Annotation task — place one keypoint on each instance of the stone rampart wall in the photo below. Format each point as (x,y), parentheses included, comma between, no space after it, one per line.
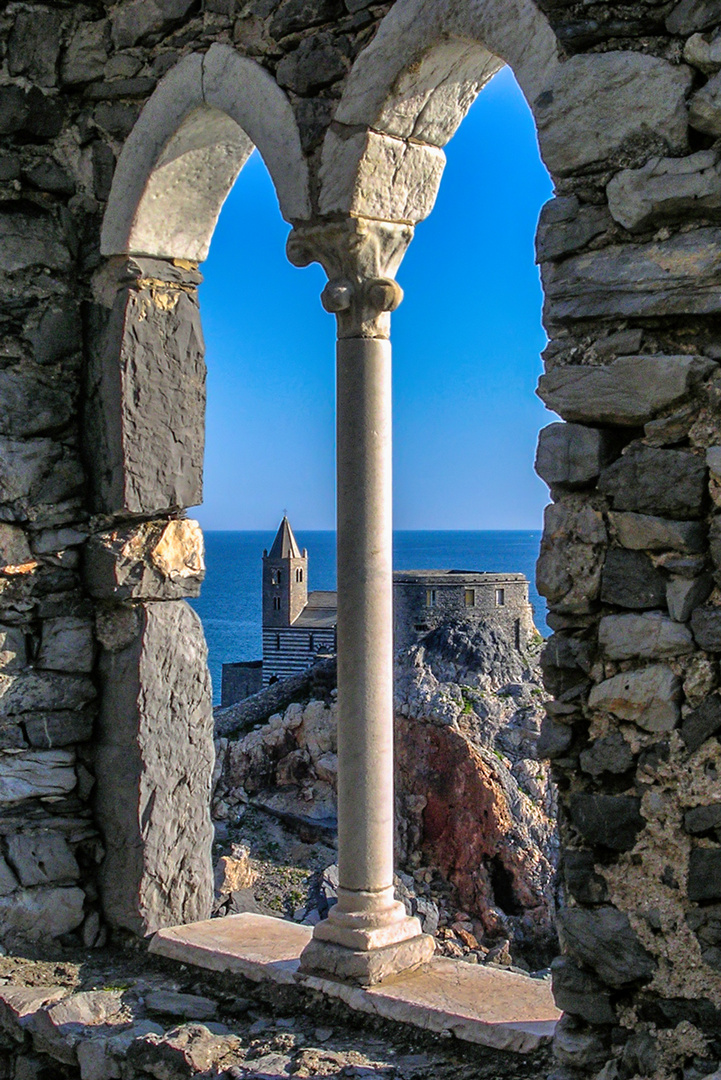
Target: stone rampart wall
(414,616)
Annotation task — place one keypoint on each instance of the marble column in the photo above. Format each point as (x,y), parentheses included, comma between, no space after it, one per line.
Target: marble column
(367,935)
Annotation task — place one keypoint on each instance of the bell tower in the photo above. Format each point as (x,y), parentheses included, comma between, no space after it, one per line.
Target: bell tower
(285,579)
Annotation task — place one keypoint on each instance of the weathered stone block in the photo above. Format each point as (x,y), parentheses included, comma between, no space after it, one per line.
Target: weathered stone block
(704,874)
(613,821)
(148,403)
(54,541)
(578,1046)
(666,189)
(691,15)
(685,594)
(568,572)
(565,226)
(14,546)
(41,858)
(57,334)
(676,276)
(35,774)
(580,993)
(31,241)
(702,723)
(649,697)
(628,391)
(652,636)
(33,402)
(647,480)
(34,690)
(591,107)
(153,769)
(36,475)
(8,881)
(31,111)
(294,15)
(87,51)
(158,560)
(19,1003)
(603,939)
(318,61)
(641,532)
(377,176)
(554,740)
(702,54)
(704,112)
(187,1006)
(565,663)
(702,819)
(671,430)
(67,645)
(48,729)
(190,1049)
(610,754)
(11,735)
(571,455)
(581,879)
(34,914)
(58,1029)
(133,21)
(34,45)
(706,626)
(629,579)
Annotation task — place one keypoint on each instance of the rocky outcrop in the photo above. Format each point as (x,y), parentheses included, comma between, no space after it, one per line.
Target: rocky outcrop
(474,805)
(474,799)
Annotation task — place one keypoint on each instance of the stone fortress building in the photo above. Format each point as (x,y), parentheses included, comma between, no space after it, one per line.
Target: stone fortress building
(424,599)
(123,126)
(300,627)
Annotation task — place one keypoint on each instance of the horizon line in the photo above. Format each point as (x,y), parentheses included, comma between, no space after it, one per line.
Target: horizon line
(301,528)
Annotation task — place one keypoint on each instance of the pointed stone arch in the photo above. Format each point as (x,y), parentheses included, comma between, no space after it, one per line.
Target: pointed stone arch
(186,149)
(411,87)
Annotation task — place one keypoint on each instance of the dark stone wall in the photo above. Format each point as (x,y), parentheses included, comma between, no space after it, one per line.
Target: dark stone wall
(631,559)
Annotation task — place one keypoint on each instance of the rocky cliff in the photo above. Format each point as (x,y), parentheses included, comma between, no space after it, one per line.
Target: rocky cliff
(473,799)
(475,812)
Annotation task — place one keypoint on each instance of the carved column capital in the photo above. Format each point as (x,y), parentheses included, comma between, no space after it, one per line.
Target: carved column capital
(361,258)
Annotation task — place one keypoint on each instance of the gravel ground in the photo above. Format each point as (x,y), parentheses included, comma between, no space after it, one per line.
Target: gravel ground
(298,1035)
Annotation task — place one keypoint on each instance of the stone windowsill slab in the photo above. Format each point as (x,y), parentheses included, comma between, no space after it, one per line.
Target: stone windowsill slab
(483,1005)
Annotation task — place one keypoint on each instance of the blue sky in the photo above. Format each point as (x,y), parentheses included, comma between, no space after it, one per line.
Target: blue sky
(466,344)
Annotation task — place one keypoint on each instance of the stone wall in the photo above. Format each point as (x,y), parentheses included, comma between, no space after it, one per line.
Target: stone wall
(414,615)
(101,433)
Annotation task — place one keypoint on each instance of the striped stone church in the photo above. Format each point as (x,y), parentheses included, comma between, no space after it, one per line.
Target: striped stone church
(297,625)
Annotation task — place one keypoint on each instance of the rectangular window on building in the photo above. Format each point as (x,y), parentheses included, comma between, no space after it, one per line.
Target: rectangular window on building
(500,597)
(276,603)
(470,597)
(430,597)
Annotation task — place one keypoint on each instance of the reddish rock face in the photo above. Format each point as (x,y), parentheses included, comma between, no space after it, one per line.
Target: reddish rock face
(495,857)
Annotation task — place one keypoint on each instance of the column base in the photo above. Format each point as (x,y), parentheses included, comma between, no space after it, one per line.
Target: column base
(365,967)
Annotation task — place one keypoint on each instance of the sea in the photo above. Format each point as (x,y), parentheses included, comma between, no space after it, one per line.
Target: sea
(230,601)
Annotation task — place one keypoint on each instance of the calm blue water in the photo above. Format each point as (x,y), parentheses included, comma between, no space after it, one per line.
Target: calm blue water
(230,602)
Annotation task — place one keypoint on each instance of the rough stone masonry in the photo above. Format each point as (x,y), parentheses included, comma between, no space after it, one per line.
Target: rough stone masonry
(134,118)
